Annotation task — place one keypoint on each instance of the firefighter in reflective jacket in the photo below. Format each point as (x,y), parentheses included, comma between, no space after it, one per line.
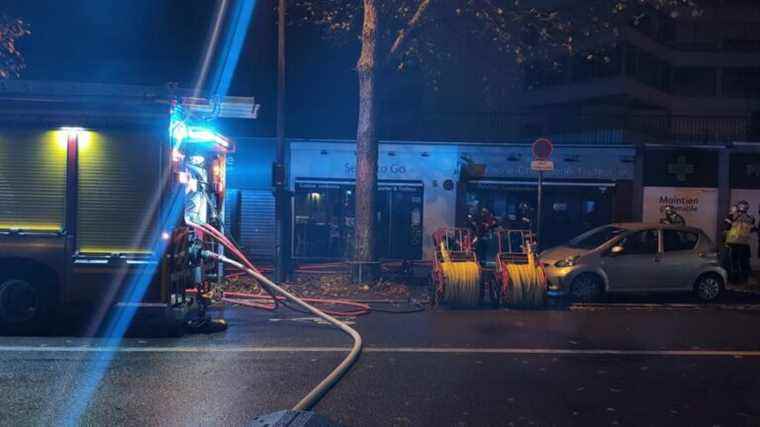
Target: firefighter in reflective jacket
(737,241)
(672,217)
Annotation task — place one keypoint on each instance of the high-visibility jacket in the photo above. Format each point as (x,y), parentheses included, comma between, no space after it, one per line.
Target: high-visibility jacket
(741,230)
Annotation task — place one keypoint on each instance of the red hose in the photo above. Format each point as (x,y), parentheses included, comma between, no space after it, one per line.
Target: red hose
(258,302)
(226,243)
(361,309)
(270,301)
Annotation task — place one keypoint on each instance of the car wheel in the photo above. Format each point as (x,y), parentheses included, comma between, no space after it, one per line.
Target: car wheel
(24,307)
(708,287)
(586,287)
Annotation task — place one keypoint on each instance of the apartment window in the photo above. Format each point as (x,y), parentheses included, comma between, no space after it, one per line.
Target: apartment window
(741,82)
(648,69)
(741,36)
(694,81)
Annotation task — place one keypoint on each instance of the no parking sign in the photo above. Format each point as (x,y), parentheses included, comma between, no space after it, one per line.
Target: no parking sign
(542,150)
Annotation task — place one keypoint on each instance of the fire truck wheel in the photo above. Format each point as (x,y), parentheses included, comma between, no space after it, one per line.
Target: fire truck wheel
(25,305)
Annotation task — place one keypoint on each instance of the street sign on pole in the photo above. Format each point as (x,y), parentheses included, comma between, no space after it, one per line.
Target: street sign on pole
(542,150)
(542,165)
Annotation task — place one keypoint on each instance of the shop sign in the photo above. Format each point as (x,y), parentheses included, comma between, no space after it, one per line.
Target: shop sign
(745,171)
(698,206)
(681,169)
(694,168)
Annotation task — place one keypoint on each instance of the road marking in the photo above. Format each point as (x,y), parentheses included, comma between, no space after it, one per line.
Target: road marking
(662,307)
(434,350)
(317,320)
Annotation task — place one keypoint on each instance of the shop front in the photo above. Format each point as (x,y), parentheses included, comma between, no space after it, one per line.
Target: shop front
(588,188)
(687,180)
(415,196)
(569,209)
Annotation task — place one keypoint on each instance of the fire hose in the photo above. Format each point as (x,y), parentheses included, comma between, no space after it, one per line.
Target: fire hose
(315,394)
(270,301)
(526,286)
(462,286)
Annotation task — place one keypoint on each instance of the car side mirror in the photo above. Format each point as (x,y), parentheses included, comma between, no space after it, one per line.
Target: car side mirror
(616,250)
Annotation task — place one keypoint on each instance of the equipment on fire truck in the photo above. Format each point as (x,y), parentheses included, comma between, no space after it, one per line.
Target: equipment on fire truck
(456,271)
(523,280)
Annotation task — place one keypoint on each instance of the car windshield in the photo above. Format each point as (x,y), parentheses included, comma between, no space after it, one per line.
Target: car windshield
(595,238)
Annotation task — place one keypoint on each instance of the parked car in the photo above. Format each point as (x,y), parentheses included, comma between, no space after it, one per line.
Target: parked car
(634,258)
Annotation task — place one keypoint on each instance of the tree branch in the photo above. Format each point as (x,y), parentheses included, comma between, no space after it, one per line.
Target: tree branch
(402,39)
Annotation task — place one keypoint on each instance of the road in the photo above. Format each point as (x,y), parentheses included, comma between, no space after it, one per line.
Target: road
(605,364)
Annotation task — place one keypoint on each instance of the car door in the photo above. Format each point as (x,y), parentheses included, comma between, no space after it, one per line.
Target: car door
(678,260)
(637,266)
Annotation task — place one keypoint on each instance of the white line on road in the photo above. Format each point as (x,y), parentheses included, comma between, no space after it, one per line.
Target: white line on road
(662,307)
(436,350)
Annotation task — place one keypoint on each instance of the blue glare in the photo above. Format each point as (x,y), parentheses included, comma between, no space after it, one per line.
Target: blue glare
(116,325)
(233,44)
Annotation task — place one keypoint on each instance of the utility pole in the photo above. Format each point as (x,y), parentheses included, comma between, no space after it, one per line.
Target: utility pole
(542,151)
(279,169)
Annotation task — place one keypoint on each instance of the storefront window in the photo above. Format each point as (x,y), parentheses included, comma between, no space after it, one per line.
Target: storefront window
(324,221)
(568,210)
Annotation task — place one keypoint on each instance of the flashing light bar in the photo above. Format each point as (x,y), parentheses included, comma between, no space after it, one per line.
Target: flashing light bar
(227,107)
(181,133)
(196,134)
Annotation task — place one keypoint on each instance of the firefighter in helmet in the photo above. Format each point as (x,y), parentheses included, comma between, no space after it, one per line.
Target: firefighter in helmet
(737,241)
(482,227)
(520,220)
(671,216)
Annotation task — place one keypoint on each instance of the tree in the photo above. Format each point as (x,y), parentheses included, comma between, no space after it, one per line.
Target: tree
(11,61)
(394,34)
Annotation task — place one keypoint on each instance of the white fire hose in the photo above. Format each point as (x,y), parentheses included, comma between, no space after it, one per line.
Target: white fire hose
(317,392)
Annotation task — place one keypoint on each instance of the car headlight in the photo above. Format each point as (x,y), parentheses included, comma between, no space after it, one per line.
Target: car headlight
(567,262)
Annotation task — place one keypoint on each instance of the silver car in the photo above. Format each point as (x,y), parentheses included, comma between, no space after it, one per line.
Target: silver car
(633,258)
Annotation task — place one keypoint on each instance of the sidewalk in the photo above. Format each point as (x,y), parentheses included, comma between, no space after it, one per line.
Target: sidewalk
(751,287)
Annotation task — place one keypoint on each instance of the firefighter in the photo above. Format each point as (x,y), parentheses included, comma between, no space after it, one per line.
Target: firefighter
(725,252)
(522,219)
(672,217)
(737,241)
(482,226)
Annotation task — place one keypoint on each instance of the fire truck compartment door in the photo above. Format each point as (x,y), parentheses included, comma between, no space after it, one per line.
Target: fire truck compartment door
(119,197)
(32,180)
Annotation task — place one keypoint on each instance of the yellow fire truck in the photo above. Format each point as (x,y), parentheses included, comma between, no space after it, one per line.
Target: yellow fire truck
(97,187)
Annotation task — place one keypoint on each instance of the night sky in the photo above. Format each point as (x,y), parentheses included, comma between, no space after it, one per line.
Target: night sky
(153,42)
(150,42)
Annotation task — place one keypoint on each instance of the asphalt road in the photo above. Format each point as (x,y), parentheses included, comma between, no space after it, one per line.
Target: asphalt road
(626,363)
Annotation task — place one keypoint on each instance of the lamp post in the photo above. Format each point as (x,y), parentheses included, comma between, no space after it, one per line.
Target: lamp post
(279,169)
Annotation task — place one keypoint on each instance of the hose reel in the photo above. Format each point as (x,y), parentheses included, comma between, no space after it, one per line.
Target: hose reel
(523,280)
(456,272)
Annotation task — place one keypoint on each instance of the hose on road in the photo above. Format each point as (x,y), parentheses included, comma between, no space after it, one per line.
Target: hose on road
(317,392)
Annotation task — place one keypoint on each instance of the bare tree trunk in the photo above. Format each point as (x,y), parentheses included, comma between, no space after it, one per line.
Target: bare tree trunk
(366,150)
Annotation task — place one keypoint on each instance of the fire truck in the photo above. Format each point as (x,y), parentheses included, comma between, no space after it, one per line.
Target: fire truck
(99,187)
